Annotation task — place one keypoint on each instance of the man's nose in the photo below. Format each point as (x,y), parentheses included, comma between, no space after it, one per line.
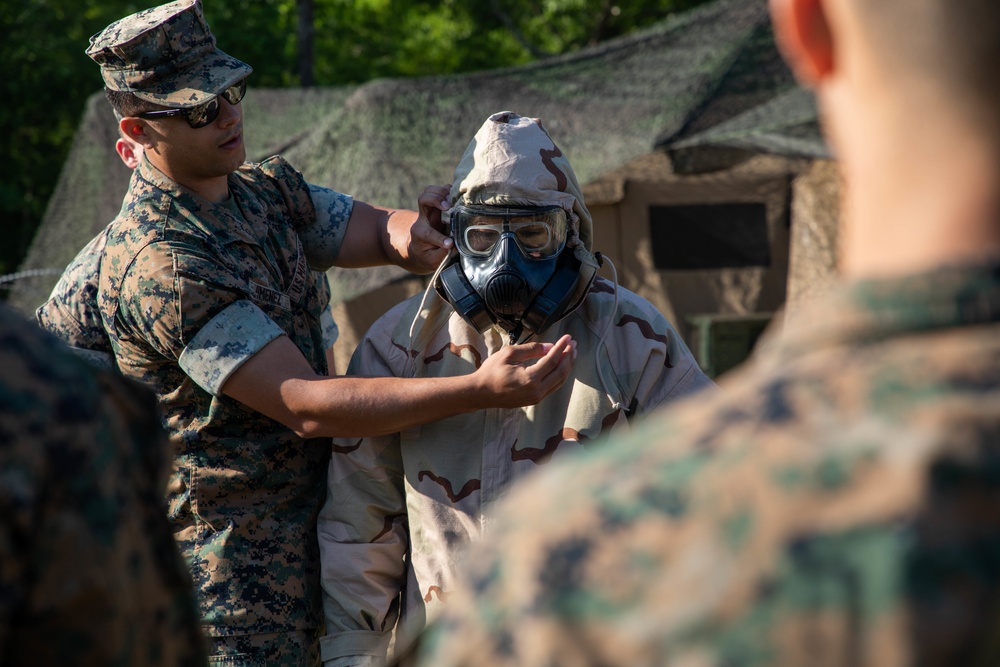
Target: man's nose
(229,113)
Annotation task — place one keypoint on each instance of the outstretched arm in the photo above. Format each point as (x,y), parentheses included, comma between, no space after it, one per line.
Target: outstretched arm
(410,239)
(279,382)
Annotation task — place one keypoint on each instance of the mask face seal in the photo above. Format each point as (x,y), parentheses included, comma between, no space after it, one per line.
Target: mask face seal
(511,270)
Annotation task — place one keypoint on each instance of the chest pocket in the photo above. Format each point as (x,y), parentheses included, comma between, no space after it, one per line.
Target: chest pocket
(273,275)
(206,286)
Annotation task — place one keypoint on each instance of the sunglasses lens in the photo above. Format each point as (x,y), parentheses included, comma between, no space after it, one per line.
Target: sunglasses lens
(206,113)
(234,93)
(203,114)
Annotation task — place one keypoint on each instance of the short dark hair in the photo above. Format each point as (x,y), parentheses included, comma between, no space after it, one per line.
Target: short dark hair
(126,103)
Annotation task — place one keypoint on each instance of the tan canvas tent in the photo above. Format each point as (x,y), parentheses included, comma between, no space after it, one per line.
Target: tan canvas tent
(692,126)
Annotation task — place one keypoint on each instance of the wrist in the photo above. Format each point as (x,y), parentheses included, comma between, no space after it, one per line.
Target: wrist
(472,393)
(385,238)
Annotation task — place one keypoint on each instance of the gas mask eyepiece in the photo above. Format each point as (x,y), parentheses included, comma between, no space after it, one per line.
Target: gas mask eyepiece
(540,232)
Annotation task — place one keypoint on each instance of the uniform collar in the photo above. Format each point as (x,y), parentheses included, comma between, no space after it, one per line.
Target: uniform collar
(215,220)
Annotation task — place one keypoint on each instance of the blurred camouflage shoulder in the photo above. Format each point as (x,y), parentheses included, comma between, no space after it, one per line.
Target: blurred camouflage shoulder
(86,549)
(837,501)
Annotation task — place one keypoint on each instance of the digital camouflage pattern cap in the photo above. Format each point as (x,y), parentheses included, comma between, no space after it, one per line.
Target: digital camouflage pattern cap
(165,55)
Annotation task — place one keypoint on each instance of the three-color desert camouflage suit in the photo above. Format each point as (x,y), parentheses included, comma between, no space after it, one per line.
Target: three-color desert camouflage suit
(837,502)
(89,572)
(188,291)
(401,508)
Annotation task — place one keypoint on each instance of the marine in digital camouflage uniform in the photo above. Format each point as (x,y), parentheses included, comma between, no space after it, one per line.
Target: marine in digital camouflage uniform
(89,571)
(181,315)
(209,293)
(188,291)
(837,502)
(401,508)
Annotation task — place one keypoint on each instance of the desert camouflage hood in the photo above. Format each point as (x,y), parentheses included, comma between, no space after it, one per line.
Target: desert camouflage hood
(513,161)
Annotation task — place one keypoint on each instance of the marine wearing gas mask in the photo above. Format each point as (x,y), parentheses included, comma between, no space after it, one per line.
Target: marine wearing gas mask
(523,260)
(401,508)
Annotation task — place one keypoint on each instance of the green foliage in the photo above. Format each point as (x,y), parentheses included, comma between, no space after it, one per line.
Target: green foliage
(47,80)
(354,41)
(259,32)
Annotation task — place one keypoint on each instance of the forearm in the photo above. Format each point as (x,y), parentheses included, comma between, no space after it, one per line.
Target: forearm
(368,240)
(278,382)
(354,407)
(409,239)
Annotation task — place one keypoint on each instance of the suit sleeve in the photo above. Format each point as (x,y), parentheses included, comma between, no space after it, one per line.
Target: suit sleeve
(362,529)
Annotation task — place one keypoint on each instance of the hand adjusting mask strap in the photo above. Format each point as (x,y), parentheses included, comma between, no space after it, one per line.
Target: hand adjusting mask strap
(510,269)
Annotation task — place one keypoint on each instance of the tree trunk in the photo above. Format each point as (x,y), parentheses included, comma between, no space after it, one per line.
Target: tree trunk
(305,40)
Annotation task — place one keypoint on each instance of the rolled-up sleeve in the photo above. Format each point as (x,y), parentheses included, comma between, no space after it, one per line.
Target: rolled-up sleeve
(225,343)
(322,239)
(189,308)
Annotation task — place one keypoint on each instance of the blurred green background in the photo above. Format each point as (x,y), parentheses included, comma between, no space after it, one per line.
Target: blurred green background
(288,43)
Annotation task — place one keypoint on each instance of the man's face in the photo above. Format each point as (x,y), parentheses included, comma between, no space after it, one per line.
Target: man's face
(192,156)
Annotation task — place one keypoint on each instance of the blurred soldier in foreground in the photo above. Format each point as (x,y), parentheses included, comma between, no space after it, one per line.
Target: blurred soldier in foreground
(89,570)
(838,502)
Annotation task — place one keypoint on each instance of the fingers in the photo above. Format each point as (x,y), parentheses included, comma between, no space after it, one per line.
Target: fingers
(431,202)
(435,196)
(548,352)
(508,378)
(557,362)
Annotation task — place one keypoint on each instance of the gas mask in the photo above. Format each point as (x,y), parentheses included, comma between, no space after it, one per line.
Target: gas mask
(510,269)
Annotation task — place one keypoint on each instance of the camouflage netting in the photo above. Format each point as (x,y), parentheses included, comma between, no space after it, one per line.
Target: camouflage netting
(705,82)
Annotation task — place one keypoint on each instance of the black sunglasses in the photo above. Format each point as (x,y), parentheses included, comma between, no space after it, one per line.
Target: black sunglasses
(206,113)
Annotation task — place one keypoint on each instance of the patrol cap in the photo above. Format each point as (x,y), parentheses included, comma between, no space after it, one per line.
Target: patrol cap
(165,55)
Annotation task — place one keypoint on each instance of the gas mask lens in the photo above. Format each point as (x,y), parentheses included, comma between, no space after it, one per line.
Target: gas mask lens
(540,232)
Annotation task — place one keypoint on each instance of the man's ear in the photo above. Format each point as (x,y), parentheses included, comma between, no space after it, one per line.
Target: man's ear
(129,151)
(135,129)
(802,30)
